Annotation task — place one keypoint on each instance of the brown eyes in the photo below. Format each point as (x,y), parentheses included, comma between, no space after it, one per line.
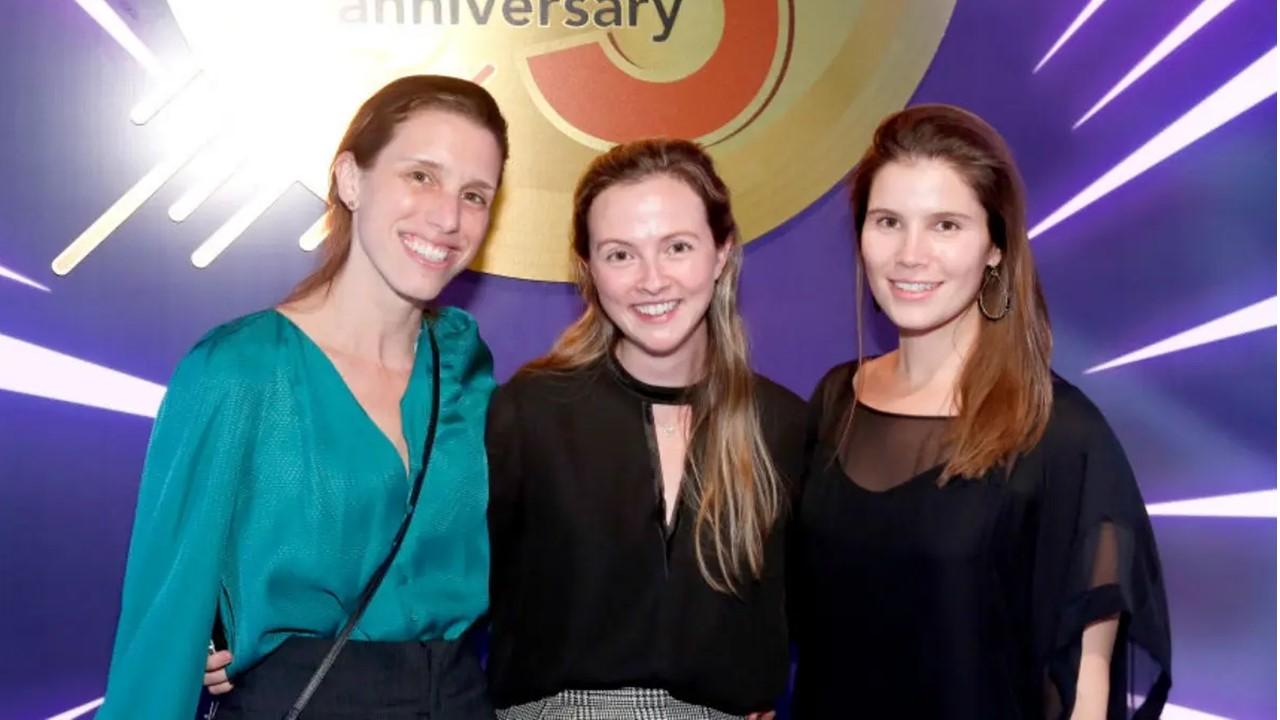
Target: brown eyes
(471,197)
(892,223)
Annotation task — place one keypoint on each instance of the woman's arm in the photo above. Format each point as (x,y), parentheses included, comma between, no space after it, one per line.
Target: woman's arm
(195,458)
(1093,684)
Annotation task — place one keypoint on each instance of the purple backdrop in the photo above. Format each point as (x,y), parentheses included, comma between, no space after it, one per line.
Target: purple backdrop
(1188,241)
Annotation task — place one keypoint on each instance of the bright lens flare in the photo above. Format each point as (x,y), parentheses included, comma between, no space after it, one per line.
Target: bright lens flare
(284,84)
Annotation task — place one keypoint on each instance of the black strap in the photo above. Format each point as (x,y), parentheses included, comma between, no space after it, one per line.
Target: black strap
(372,587)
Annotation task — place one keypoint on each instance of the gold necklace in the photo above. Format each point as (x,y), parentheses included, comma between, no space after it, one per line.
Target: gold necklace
(669,429)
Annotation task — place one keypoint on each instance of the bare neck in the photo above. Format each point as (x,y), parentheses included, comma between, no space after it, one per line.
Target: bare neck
(927,365)
(681,368)
(362,319)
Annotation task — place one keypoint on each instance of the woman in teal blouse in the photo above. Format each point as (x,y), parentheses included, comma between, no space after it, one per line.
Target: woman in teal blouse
(282,461)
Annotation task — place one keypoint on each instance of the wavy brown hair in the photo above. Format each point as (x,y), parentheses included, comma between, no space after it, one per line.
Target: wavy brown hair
(735,485)
(1005,391)
(370,131)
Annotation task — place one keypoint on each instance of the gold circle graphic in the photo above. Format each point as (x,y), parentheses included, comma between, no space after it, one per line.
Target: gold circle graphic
(785,93)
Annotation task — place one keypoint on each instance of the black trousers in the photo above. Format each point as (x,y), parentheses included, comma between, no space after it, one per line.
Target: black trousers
(439,680)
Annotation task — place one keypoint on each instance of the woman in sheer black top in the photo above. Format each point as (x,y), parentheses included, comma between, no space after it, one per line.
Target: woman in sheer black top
(971,542)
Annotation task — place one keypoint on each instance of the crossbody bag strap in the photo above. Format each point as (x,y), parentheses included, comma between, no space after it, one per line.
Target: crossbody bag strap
(376,579)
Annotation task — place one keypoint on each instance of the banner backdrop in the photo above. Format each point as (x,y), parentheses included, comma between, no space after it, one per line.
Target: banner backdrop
(164,163)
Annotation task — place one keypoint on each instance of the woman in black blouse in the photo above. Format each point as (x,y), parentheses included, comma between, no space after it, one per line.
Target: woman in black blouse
(640,472)
(971,542)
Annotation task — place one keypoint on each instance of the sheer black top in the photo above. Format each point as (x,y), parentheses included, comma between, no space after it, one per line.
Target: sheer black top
(969,599)
(590,588)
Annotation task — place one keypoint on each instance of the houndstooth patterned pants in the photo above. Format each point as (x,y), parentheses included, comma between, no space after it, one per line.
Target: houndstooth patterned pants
(622,704)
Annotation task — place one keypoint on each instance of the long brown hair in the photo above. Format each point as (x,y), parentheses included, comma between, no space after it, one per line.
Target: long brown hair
(1005,391)
(736,487)
(370,131)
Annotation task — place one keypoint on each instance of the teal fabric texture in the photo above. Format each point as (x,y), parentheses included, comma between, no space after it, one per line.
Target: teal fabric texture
(269,497)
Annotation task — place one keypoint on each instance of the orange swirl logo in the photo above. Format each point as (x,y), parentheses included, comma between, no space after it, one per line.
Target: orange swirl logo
(784,93)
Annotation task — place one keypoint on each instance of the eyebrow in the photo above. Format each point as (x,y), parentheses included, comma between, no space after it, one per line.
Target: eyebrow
(938,214)
(664,238)
(951,214)
(474,183)
(608,241)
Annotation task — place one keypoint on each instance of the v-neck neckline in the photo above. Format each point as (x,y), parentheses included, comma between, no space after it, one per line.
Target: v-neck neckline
(405,462)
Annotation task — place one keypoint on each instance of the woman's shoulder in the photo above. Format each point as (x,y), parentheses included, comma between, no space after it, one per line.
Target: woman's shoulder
(464,356)
(835,387)
(454,323)
(1074,414)
(839,376)
(239,350)
(775,398)
(783,417)
(253,328)
(1076,424)
(564,385)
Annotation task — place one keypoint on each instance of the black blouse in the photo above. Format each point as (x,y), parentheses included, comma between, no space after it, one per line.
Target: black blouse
(968,600)
(590,589)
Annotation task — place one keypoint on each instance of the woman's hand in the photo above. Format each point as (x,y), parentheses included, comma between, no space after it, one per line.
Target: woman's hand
(215,672)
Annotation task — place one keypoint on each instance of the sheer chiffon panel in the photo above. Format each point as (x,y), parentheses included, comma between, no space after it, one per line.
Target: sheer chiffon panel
(1115,574)
(883,450)
(1075,540)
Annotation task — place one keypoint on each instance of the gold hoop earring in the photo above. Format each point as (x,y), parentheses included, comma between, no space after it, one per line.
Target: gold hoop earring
(993,276)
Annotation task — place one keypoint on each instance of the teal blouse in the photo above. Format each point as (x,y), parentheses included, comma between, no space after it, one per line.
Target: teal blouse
(269,495)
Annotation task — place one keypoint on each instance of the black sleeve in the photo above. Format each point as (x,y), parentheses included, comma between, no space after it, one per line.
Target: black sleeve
(1096,559)
(782,419)
(502,442)
(822,403)
(828,403)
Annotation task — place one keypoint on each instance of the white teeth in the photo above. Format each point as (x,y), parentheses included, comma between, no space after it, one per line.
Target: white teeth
(656,309)
(915,286)
(427,251)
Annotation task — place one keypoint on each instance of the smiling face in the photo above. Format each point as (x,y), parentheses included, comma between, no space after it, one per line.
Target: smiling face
(925,245)
(654,263)
(422,209)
